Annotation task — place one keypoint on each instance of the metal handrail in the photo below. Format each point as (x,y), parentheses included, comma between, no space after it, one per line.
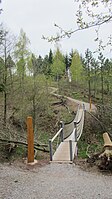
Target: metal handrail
(76,135)
(60,132)
(56,134)
(78,126)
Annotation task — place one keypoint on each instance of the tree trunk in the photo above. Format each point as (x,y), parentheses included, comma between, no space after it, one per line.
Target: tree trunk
(95,79)
(5,85)
(102,84)
(89,82)
(106,156)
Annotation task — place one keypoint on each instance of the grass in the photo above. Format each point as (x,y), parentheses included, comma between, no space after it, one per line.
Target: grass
(79,96)
(82,147)
(92,147)
(43,137)
(20,151)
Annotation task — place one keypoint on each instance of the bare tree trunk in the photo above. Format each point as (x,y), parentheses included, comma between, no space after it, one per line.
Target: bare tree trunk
(89,82)
(11,78)
(5,84)
(102,84)
(95,79)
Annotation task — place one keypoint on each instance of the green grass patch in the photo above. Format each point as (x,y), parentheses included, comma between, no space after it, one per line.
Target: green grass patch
(79,96)
(43,137)
(82,147)
(92,148)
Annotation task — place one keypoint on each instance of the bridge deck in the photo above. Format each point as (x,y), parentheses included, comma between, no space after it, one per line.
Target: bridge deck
(63,151)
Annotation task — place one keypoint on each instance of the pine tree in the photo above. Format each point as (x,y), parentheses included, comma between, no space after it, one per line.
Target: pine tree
(50,57)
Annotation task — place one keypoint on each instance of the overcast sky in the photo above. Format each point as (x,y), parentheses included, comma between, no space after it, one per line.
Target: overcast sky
(37,18)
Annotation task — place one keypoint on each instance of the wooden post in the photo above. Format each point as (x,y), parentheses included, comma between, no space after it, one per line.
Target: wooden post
(30,140)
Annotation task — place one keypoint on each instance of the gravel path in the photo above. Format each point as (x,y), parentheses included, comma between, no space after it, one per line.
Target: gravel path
(87,105)
(53,181)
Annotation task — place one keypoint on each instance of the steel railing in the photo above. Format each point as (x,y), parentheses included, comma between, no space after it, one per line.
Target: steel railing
(77,129)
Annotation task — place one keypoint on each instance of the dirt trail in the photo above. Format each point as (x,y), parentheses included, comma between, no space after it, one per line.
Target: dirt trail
(86,105)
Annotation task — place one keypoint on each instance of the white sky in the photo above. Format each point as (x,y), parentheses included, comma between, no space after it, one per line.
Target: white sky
(37,18)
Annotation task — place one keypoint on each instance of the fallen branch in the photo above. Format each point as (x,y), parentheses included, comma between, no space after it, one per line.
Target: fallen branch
(87,151)
(23,143)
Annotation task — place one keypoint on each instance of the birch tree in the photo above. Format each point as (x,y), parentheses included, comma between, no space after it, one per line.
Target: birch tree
(21,54)
(76,67)
(58,66)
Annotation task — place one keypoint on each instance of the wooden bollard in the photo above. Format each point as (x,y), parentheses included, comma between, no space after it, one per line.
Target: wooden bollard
(30,140)
(107,141)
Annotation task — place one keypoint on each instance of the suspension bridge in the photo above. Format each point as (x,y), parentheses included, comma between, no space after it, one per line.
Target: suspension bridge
(66,138)
(68,134)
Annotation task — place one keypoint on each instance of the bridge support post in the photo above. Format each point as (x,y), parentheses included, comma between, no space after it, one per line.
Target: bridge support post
(84,107)
(61,134)
(75,133)
(70,144)
(50,147)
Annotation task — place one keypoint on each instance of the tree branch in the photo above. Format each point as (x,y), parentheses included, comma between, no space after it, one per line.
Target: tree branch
(68,33)
(24,143)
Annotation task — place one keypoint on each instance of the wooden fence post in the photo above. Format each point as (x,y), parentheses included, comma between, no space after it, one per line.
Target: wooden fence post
(30,140)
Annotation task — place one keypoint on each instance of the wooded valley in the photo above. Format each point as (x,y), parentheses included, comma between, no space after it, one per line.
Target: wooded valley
(27,79)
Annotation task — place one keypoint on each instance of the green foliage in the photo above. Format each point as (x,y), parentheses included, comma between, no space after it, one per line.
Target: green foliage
(50,57)
(108,75)
(21,70)
(21,53)
(58,66)
(32,65)
(67,64)
(10,62)
(70,57)
(82,147)
(21,47)
(89,12)
(28,90)
(2,88)
(20,152)
(43,137)
(47,66)
(76,67)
